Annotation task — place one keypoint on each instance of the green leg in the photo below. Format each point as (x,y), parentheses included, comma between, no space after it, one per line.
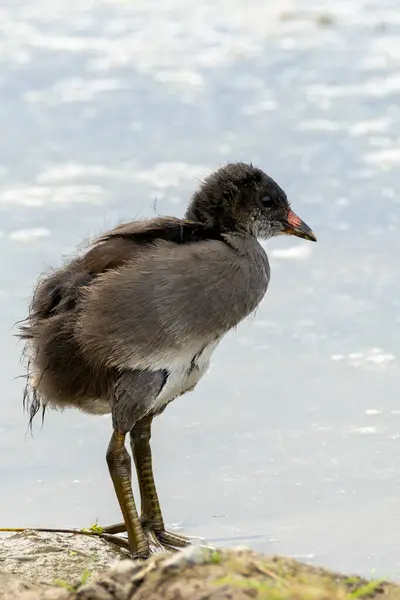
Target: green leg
(151,517)
(119,464)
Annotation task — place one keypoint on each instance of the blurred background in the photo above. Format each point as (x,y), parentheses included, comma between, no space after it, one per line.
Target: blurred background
(116,109)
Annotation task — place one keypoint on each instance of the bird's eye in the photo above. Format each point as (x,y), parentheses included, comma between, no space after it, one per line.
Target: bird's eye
(267,201)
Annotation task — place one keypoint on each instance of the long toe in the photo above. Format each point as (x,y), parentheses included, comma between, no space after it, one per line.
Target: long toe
(117,528)
(123,542)
(156,545)
(173,539)
(180,541)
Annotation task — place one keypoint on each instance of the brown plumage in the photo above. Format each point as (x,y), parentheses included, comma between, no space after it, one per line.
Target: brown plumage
(131,324)
(59,371)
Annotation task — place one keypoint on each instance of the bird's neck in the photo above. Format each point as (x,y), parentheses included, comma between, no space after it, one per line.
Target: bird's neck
(213,215)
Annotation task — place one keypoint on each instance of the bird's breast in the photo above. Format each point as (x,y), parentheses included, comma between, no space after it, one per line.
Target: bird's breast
(184,370)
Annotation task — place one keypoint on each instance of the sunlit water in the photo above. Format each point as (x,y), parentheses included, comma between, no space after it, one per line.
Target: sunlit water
(110,110)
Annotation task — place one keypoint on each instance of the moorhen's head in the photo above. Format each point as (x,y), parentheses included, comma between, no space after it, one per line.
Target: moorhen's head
(240,197)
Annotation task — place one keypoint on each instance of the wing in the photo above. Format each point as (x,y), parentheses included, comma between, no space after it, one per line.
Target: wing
(59,291)
(171,297)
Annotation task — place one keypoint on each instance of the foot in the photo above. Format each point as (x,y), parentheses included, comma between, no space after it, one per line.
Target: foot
(158,540)
(161,541)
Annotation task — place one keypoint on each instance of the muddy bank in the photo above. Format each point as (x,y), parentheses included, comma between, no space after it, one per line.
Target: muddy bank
(37,566)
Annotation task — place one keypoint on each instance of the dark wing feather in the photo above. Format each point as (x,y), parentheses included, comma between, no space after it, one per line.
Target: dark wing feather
(169,229)
(60,290)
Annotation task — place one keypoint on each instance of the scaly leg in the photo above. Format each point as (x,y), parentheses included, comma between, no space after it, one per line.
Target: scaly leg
(151,517)
(119,464)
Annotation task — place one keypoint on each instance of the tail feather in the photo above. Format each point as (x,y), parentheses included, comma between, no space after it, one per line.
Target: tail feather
(56,293)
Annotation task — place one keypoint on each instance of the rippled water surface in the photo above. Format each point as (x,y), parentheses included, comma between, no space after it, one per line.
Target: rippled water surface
(110,110)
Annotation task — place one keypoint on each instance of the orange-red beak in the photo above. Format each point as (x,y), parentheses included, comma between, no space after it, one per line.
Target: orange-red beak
(295,226)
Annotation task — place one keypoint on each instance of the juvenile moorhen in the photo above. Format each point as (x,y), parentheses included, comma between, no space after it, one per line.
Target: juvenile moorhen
(131,324)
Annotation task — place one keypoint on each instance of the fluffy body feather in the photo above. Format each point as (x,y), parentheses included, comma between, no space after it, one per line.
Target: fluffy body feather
(139,299)
(140,313)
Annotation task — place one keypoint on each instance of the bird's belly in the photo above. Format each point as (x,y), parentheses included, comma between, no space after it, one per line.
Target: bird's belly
(184,372)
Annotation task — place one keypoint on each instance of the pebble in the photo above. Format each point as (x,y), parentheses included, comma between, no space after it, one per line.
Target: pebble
(93,591)
(192,555)
(123,570)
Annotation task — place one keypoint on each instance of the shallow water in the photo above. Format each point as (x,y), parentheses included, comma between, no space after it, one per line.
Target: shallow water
(291,444)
